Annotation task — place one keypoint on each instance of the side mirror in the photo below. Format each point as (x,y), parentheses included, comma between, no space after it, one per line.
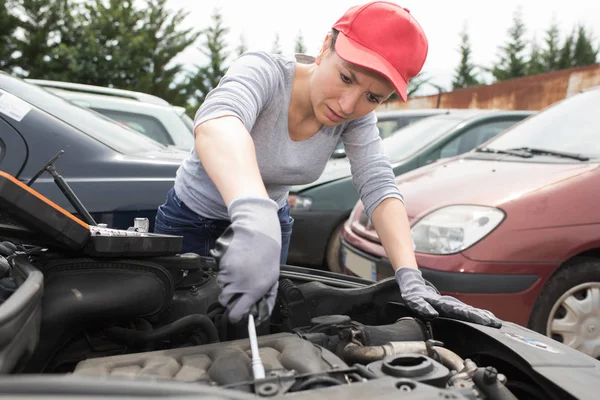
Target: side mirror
(339,153)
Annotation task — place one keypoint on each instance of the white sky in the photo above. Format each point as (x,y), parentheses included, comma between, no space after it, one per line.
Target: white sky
(488,22)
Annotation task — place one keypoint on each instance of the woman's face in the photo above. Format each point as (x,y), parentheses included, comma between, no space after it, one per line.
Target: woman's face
(340,91)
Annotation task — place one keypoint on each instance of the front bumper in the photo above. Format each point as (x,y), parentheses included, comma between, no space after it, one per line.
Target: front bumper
(311,234)
(509,296)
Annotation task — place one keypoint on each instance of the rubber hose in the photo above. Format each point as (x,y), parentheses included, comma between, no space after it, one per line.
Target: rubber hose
(5,250)
(133,337)
(487,381)
(319,381)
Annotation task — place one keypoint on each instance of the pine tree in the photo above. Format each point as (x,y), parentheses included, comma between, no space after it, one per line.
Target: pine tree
(551,53)
(535,64)
(8,25)
(512,62)
(276,45)
(41,23)
(464,76)
(300,48)
(583,50)
(565,58)
(242,47)
(207,77)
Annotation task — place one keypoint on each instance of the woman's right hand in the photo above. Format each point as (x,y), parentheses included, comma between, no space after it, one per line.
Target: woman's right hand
(248,255)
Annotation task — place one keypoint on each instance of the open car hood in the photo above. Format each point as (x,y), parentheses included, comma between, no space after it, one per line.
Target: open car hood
(88,311)
(306,351)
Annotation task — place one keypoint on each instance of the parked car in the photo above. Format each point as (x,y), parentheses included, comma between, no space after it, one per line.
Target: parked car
(320,208)
(148,114)
(513,226)
(117,173)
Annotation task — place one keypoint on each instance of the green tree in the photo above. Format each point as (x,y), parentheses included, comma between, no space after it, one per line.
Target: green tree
(276,45)
(242,47)
(166,41)
(8,24)
(207,77)
(464,75)
(120,45)
(41,23)
(551,53)
(583,50)
(512,62)
(415,85)
(300,47)
(565,58)
(535,64)
(108,46)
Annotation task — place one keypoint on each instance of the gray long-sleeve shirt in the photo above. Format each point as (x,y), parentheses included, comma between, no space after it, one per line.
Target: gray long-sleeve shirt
(257,89)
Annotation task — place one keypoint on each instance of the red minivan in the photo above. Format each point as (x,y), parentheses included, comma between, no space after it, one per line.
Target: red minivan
(512,226)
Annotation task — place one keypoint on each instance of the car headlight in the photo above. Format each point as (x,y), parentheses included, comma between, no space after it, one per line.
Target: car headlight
(454,228)
(298,202)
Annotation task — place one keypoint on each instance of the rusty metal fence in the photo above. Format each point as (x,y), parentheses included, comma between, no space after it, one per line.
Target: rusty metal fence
(527,93)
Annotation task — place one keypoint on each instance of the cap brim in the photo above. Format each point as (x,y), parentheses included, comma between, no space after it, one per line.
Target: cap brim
(355,53)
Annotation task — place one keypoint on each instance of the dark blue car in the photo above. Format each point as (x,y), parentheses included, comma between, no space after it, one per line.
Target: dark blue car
(116,172)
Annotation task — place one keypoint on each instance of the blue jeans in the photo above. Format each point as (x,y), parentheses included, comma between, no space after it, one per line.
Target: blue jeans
(200,233)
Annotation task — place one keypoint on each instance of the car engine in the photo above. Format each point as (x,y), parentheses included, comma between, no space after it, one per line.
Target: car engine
(159,319)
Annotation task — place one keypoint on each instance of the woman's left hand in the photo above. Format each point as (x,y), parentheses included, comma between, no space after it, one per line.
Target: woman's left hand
(425,301)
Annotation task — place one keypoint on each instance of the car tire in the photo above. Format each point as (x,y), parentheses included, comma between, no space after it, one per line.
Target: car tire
(573,282)
(334,248)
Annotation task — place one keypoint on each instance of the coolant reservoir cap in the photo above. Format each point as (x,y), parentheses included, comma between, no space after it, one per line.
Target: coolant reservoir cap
(407,366)
(331,320)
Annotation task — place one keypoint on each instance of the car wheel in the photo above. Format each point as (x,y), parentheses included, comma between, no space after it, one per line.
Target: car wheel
(333,250)
(568,308)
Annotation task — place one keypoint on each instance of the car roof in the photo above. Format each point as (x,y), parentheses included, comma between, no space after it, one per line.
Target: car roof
(91,89)
(411,112)
(459,112)
(111,102)
(478,113)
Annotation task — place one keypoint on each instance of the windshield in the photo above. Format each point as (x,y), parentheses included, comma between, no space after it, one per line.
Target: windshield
(101,128)
(571,126)
(410,139)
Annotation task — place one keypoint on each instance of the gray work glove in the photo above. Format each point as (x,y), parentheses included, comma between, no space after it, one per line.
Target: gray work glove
(426,302)
(248,255)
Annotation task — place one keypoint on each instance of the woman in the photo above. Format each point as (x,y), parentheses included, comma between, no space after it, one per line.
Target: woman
(274,122)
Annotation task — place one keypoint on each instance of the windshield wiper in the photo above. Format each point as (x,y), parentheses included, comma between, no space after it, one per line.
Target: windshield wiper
(564,154)
(511,152)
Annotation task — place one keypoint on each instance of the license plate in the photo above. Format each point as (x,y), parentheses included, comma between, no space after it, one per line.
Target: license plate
(359,265)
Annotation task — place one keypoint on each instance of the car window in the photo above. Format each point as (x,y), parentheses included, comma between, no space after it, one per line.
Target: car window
(89,122)
(572,126)
(388,126)
(412,138)
(13,151)
(473,137)
(149,126)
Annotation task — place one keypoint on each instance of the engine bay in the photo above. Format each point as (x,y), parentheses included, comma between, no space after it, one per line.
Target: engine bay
(158,319)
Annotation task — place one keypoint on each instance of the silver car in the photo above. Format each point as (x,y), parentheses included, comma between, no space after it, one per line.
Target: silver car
(145,113)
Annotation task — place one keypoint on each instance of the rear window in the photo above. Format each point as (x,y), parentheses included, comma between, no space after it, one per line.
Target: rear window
(101,128)
(149,126)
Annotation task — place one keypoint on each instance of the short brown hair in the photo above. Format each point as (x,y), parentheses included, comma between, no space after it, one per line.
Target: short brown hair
(334,35)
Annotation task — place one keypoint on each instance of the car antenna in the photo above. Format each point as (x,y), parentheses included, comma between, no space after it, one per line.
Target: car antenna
(64,187)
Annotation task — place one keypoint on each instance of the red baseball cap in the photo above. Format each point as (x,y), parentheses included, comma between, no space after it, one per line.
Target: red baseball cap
(384,37)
